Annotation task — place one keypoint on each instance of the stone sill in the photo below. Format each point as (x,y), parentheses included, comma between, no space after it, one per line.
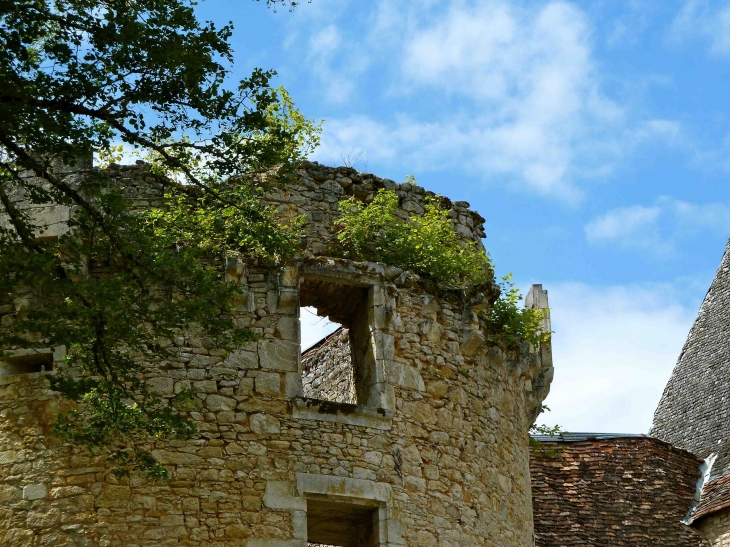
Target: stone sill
(343,413)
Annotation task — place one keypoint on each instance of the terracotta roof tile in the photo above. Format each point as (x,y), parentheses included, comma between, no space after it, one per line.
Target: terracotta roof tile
(613,491)
(715,497)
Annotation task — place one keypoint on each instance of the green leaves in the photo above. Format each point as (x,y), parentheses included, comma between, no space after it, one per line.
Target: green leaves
(508,321)
(427,245)
(537,448)
(87,76)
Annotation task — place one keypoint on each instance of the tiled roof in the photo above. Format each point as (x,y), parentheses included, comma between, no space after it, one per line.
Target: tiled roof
(694,411)
(613,490)
(573,437)
(715,497)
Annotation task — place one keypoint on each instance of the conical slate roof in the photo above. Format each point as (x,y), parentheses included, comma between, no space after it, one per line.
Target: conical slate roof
(694,411)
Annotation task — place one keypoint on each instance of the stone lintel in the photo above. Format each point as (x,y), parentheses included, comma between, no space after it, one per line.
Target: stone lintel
(343,487)
(362,274)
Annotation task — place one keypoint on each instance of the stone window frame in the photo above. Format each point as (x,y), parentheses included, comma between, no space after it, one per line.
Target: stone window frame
(377,411)
(55,357)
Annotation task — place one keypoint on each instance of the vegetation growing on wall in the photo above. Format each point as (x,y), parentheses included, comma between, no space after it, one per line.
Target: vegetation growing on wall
(82,76)
(537,447)
(426,245)
(509,321)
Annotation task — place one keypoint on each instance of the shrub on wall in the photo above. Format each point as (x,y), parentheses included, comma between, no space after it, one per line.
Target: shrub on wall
(429,246)
(426,245)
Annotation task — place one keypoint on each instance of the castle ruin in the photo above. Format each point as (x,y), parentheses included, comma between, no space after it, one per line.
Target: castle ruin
(405,428)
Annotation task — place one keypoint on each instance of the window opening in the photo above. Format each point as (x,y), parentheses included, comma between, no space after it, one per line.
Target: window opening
(341,366)
(336,524)
(25,362)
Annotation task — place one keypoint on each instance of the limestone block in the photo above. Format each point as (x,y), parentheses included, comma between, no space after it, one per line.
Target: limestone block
(167,521)
(19,538)
(288,302)
(182,385)
(438,389)
(242,359)
(405,376)
(211,452)
(299,524)
(289,276)
(281,354)
(287,328)
(205,386)
(191,505)
(35,492)
(177,458)
(267,383)
(272,299)
(283,495)
(328,485)
(237,531)
(215,403)
(382,395)
(161,386)
(8,456)
(292,385)
(263,424)
(113,497)
(384,346)
(473,341)
(43,519)
(9,494)
(223,373)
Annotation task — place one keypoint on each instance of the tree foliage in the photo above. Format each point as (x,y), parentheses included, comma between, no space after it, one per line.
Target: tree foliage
(427,245)
(88,76)
(538,448)
(509,321)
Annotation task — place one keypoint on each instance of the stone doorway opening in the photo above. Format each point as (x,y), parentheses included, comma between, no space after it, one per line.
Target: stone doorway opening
(336,524)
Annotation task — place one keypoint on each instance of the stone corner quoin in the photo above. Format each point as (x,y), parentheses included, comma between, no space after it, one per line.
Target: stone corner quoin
(427,446)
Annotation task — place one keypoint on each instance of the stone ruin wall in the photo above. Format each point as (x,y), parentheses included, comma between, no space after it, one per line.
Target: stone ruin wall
(327,369)
(435,453)
(716,529)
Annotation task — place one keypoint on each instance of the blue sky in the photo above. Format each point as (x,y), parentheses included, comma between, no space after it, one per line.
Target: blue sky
(593,136)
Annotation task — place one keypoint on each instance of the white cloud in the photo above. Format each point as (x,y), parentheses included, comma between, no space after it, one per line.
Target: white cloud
(659,227)
(614,349)
(521,95)
(705,20)
(711,216)
(634,226)
(339,80)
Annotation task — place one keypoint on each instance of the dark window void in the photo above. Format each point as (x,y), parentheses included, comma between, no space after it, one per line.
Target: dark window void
(25,363)
(341,524)
(341,367)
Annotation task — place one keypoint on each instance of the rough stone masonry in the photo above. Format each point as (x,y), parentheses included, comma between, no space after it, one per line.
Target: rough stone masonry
(431,448)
